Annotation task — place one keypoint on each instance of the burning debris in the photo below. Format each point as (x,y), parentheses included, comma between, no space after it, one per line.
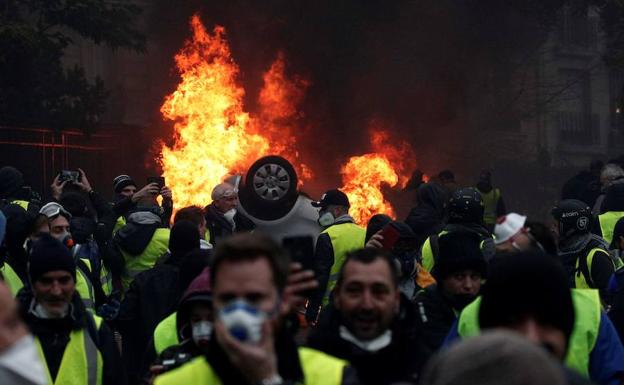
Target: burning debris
(215,136)
(364,176)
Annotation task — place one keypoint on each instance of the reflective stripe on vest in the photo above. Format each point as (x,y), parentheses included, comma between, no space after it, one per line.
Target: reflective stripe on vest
(121,222)
(166,333)
(106,280)
(426,252)
(580,281)
(587,313)
(136,264)
(21,203)
(11,279)
(607,224)
(490,201)
(345,237)
(84,287)
(82,361)
(318,369)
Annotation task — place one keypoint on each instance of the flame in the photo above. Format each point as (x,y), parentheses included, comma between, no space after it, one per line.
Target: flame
(214,136)
(363,176)
(279,116)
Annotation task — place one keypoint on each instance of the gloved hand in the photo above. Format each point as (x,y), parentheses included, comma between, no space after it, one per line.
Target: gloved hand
(109,310)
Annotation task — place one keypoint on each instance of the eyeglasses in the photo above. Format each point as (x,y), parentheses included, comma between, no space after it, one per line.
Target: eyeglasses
(53,209)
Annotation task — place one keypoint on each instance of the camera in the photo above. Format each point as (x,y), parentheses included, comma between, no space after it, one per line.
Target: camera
(69,176)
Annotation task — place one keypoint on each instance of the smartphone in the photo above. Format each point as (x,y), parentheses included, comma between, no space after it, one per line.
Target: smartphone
(301,250)
(159,180)
(69,175)
(390,236)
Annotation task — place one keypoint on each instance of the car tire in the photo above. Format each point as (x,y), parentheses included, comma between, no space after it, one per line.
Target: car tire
(270,189)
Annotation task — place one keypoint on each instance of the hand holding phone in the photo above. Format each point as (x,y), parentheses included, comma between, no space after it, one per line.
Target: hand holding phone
(390,236)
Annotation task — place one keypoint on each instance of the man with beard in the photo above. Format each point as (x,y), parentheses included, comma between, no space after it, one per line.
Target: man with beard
(370,323)
(459,271)
(126,196)
(75,346)
(584,255)
(222,217)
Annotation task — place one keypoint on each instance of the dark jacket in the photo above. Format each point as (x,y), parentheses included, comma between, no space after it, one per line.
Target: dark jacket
(428,217)
(54,337)
(435,317)
(616,292)
(601,268)
(399,361)
(152,296)
(220,228)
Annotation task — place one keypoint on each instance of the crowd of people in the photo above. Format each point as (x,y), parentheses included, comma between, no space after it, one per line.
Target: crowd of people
(133,291)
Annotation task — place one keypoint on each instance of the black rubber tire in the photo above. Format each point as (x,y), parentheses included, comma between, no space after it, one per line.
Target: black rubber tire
(270,188)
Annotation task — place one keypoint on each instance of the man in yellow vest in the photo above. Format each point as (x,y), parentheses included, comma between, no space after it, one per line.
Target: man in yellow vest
(465,209)
(371,323)
(58,221)
(584,255)
(75,346)
(250,343)
(494,206)
(612,210)
(528,293)
(340,235)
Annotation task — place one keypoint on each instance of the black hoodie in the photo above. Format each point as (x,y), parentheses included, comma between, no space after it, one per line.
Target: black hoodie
(428,217)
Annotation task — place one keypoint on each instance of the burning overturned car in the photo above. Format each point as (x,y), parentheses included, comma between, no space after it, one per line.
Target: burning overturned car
(269,196)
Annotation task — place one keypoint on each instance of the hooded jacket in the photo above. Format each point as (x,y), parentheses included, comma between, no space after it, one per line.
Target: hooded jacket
(428,217)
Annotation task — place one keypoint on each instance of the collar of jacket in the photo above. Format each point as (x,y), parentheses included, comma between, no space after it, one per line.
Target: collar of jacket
(76,317)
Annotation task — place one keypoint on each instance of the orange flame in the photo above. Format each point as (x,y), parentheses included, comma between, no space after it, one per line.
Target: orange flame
(363,176)
(279,116)
(214,135)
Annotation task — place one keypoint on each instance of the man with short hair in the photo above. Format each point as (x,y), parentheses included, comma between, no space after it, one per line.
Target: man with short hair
(458,273)
(340,235)
(222,217)
(250,343)
(75,346)
(371,324)
(196,215)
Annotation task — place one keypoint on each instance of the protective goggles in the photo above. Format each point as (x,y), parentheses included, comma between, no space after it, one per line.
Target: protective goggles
(53,209)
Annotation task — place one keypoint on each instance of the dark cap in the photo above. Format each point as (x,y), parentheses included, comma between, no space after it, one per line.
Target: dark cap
(333,197)
(49,254)
(458,250)
(122,181)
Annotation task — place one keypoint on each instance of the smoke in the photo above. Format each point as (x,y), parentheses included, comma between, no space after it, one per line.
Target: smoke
(432,71)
